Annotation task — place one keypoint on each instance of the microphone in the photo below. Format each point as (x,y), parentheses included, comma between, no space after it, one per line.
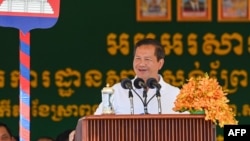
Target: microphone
(152,83)
(139,83)
(126,84)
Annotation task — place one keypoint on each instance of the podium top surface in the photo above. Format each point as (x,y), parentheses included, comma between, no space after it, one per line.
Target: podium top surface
(147,116)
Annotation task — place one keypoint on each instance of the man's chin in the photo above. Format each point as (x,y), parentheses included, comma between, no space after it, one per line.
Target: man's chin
(143,76)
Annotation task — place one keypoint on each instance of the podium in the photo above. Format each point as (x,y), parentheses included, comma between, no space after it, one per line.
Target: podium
(163,127)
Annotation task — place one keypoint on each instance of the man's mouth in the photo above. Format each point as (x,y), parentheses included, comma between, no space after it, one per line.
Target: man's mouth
(142,70)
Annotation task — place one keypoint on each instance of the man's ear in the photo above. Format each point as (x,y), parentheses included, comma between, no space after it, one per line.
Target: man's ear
(161,63)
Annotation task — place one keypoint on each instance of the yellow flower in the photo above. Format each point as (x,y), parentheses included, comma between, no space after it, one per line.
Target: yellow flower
(204,93)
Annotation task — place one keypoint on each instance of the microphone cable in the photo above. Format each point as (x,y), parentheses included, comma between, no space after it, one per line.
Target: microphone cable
(127,84)
(152,83)
(140,83)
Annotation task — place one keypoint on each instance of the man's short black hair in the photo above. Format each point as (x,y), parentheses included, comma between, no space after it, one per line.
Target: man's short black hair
(159,49)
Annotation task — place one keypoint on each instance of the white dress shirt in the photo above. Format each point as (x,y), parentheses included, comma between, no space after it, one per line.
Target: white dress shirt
(121,101)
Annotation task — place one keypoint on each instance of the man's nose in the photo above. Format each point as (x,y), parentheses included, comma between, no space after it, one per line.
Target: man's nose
(142,62)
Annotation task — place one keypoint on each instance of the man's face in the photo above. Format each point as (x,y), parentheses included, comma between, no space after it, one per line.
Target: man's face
(145,62)
(4,135)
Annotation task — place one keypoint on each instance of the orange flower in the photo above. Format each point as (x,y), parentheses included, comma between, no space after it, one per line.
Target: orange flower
(204,93)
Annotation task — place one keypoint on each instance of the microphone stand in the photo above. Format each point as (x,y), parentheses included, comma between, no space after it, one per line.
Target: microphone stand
(145,100)
(158,96)
(130,96)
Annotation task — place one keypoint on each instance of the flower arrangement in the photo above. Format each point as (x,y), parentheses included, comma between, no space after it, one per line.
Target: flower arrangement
(205,94)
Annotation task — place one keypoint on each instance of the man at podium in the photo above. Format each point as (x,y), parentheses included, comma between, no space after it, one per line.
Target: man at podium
(148,60)
(149,93)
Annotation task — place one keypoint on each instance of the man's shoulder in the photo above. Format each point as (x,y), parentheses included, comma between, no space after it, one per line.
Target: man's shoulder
(168,86)
(117,85)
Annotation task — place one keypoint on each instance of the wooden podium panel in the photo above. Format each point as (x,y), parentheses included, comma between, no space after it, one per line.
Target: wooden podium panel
(169,127)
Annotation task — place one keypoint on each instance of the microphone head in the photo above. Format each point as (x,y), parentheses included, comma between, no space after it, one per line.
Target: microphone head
(126,83)
(152,83)
(139,83)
